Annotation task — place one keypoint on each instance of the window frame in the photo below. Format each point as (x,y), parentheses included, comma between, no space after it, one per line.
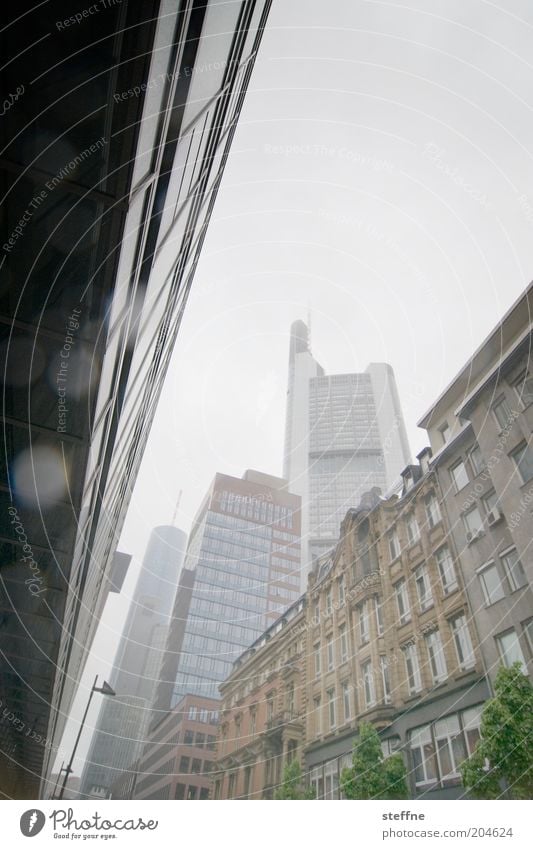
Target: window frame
(490,566)
(401,593)
(452,469)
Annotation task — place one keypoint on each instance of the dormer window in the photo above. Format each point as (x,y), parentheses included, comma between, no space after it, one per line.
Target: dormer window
(445,432)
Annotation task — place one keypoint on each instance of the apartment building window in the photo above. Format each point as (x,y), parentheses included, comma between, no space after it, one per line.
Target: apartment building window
(248,772)
(318,664)
(438,749)
(317,612)
(184,766)
(523,387)
(423,588)
(317,782)
(437,661)
(523,458)
(476,460)
(290,700)
(502,412)
(385,678)
(368,681)
(394,545)
(378,607)
(329,601)
(253,722)
(331,708)
(270,706)
(459,475)
(223,739)
(343,639)
(423,754)
(446,569)
(390,746)
(413,531)
(509,648)
(514,570)
(490,501)
(473,523)
(318,715)
(451,749)
(402,601)
(231,785)
(331,654)
(528,631)
(412,667)
(445,432)
(432,510)
(331,780)
(342,590)
(196,766)
(471,721)
(364,626)
(463,643)
(346,701)
(491,583)
(188,737)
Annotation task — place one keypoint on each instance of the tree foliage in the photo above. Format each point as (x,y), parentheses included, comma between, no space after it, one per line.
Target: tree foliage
(292,786)
(372,776)
(502,762)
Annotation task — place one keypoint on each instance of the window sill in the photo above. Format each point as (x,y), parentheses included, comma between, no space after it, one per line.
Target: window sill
(413,696)
(465,673)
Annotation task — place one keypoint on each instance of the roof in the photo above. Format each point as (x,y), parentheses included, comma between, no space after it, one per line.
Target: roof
(487,356)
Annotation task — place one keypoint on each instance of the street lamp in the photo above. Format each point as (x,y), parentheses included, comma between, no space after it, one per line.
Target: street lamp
(107,691)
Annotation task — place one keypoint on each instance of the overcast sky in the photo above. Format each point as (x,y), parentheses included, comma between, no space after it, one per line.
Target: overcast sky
(380,180)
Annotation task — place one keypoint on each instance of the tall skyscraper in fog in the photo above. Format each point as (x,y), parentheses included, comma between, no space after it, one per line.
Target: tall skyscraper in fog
(241,571)
(124,718)
(344,433)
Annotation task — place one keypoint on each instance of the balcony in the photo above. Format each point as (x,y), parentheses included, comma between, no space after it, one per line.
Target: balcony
(277,724)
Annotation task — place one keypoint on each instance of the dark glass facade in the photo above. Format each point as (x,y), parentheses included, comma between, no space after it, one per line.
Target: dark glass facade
(113,152)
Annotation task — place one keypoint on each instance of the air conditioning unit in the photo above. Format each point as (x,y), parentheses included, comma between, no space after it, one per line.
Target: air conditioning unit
(471,536)
(493,516)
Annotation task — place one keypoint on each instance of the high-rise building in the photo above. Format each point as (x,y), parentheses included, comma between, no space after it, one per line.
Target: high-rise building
(384,634)
(344,433)
(110,169)
(178,757)
(122,723)
(241,572)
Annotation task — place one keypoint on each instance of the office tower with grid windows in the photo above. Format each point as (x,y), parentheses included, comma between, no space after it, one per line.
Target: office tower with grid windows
(344,434)
(123,720)
(243,560)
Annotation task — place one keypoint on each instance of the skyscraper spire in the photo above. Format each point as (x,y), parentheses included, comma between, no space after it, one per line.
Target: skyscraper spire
(177,507)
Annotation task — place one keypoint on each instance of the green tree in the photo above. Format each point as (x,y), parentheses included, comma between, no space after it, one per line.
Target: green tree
(292,785)
(371,775)
(502,762)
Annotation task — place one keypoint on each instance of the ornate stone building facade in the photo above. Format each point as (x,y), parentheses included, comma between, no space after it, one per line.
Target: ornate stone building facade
(384,635)
(262,724)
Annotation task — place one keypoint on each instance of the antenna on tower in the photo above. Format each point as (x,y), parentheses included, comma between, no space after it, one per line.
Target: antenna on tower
(177,507)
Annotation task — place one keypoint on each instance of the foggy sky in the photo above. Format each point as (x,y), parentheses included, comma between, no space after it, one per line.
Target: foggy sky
(381,181)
